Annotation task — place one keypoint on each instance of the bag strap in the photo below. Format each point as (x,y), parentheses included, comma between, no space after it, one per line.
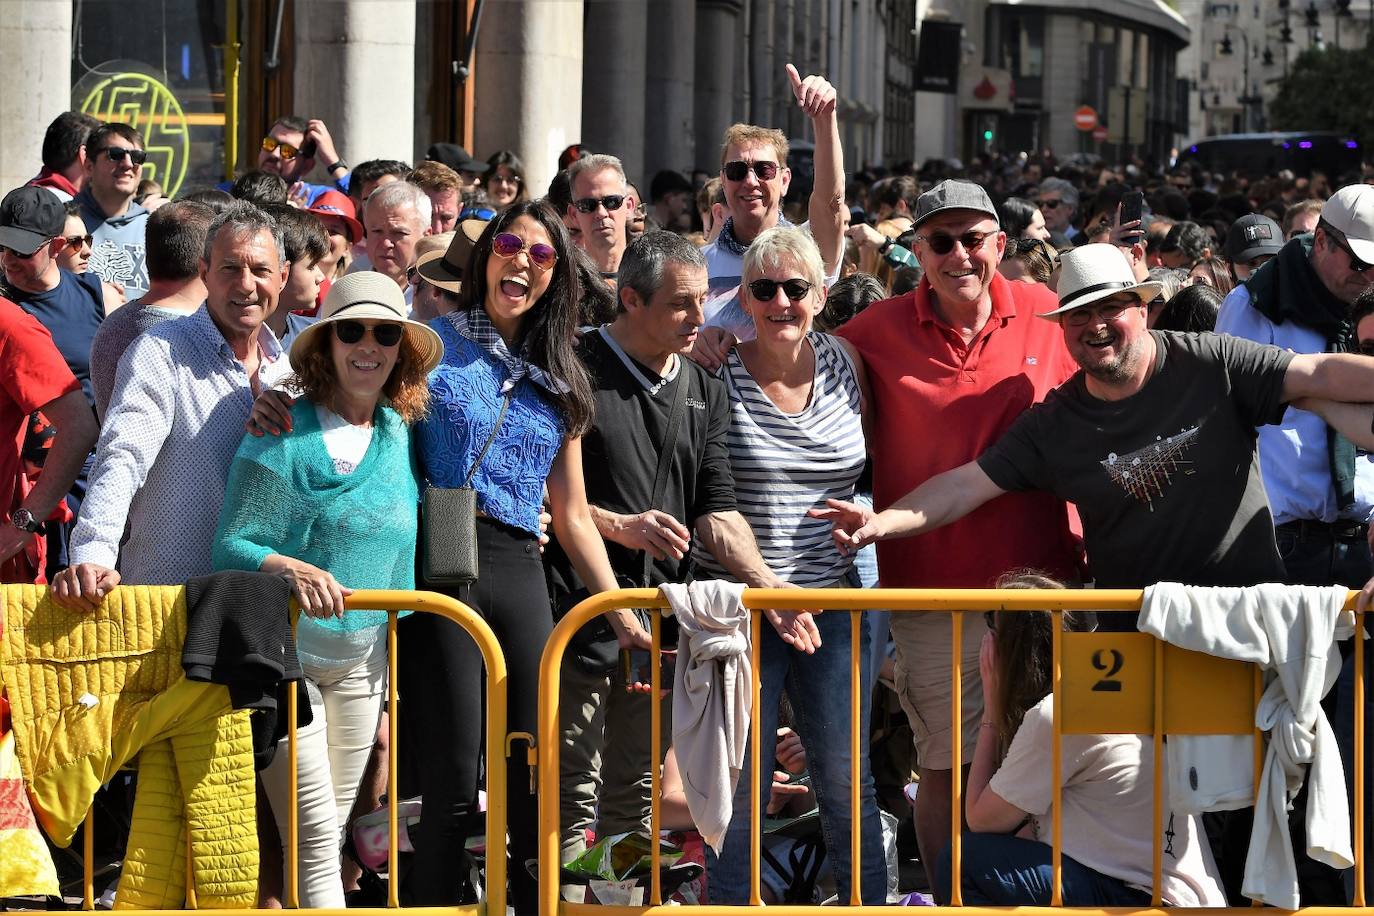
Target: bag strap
(496,427)
(665,454)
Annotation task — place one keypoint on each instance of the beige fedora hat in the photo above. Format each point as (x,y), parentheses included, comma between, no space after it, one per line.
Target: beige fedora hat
(367,294)
(1092,272)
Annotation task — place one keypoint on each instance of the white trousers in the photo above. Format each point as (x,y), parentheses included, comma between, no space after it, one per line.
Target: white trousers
(332,752)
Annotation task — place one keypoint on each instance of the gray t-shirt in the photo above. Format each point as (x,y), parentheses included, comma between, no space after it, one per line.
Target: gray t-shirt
(113,337)
(1166,481)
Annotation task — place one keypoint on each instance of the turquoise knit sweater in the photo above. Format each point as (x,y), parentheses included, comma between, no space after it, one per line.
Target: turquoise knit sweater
(285,497)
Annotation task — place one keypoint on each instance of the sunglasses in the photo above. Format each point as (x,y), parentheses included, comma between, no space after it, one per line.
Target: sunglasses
(1111,311)
(1050,204)
(1356,264)
(611,202)
(477,213)
(350,332)
(117,154)
(764,290)
(20,255)
(507,245)
(943,242)
(76,241)
(286,150)
(736,170)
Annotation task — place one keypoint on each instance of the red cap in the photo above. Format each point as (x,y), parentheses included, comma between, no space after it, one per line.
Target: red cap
(336,203)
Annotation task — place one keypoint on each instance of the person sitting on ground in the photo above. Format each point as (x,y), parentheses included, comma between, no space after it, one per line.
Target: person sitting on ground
(1106,789)
(335,499)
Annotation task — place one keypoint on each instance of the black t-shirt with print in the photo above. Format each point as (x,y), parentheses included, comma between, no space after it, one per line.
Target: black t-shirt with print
(1166,481)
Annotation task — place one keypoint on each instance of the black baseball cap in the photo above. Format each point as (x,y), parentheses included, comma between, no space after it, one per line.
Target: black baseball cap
(29,218)
(1253,236)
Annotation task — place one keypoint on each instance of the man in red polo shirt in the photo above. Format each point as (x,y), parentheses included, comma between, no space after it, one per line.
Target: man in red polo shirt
(951,365)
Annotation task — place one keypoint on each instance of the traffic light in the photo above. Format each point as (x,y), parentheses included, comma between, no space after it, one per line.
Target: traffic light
(1313,17)
(987,135)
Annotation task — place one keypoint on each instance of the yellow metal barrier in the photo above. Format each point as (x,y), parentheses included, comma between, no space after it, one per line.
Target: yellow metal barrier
(496,750)
(1103,683)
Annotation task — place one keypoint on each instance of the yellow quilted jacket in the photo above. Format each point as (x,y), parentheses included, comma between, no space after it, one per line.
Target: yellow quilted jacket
(88,694)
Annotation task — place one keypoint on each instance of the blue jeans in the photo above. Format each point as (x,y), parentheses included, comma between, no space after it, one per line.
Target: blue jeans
(818,688)
(1003,870)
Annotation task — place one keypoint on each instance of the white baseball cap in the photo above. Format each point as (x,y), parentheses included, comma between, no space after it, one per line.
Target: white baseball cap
(1350,211)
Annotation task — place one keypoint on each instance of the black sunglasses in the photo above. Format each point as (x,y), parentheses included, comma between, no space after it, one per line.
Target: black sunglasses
(1050,204)
(350,332)
(76,241)
(611,202)
(738,168)
(764,290)
(1356,264)
(117,154)
(943,242)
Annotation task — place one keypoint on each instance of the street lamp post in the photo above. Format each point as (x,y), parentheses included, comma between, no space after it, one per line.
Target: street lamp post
(1245,98)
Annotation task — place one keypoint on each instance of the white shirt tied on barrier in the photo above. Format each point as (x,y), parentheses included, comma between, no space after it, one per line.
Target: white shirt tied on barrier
(712,698)
(1291,632)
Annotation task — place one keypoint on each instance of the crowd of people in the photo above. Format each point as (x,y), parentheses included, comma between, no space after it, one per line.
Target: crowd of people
(1026,372)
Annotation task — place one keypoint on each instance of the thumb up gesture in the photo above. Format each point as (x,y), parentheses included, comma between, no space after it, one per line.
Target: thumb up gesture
(814,94)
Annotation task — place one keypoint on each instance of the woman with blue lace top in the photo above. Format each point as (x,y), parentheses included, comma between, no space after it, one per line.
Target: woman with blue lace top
(510,340)
(330,507)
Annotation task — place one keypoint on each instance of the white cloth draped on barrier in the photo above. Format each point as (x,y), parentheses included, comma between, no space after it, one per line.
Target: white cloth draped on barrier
(1291,632)
(712,699)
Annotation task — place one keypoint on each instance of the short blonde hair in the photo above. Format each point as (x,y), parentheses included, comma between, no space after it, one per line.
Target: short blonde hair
(740,134)
(785,243)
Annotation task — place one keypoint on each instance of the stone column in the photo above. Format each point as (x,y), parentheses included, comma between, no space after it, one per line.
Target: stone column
(355,69)
(717,40)
(614,76)
(669,142)
(760,59)
(35,82)
(529,83)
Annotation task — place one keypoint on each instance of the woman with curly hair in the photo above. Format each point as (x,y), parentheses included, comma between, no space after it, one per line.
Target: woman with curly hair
(504,180)
(330,506)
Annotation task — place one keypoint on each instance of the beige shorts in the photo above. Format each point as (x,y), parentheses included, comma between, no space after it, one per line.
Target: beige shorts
(924,676)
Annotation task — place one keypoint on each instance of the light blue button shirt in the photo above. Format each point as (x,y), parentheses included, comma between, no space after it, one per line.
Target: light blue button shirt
(176,417)
(1293,454)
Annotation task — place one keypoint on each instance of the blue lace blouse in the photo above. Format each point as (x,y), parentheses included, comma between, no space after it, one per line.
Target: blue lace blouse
(465,397)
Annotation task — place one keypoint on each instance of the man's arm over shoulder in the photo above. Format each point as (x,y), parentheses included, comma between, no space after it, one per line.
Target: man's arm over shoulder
(142,410)
(715,489)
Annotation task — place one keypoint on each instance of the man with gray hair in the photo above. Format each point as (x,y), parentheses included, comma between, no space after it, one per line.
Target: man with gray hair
(396,217)
(182,394)
(601,205)
(648,399)
(1058,204)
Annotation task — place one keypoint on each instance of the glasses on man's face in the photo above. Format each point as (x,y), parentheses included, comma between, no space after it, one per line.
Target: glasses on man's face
(350,332)
(77,241)
(285,150)
(486,213)
(794,289)
(1107,311)
(117,154)
(735,170)
(20,255)
(1049,203)
(612,203)
(943,242)
(1339,241)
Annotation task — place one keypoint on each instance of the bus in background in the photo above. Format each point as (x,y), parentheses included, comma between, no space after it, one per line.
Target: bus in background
(1256,155)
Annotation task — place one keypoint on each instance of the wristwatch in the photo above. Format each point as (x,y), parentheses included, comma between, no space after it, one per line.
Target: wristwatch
(887,243)
(23,520)
(329,169)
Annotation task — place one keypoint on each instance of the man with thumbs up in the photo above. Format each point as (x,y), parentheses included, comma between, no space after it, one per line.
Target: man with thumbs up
(755,176)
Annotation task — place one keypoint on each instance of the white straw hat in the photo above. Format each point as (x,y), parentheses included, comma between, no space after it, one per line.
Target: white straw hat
(367,294)
(1092,272)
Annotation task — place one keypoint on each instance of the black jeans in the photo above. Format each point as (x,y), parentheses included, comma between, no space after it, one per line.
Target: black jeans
(441,682)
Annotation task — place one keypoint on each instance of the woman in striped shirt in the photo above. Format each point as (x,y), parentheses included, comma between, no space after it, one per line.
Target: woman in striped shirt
(796,439)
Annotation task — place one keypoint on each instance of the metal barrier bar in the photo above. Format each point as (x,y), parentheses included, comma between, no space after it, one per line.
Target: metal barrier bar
(1359,780)
(956,806)
(655,754)
(755,804)
(856,684)
(959,602)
